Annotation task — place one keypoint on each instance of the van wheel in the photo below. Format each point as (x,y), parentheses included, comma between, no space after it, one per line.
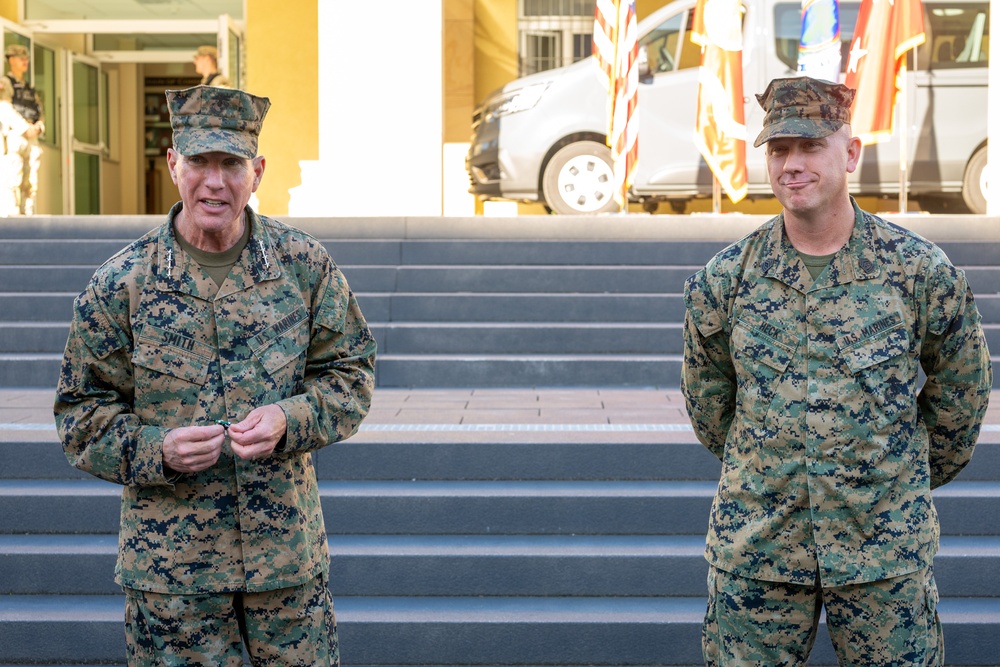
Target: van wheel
(579,179)
(974,182)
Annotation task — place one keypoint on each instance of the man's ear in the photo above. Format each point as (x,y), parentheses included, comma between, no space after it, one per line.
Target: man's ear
(853,154)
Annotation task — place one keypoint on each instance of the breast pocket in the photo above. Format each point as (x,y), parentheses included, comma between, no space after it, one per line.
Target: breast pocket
(170,368)
(762,353)
(281,350)
(882,370)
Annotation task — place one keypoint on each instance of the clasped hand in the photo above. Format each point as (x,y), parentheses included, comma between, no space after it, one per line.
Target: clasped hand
(195,448)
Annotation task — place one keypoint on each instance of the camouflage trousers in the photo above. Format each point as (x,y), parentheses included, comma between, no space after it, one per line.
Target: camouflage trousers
(893,622)
(288,626)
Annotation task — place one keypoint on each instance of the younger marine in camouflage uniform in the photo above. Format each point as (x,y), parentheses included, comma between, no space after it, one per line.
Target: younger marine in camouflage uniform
(222,538)
(803,345)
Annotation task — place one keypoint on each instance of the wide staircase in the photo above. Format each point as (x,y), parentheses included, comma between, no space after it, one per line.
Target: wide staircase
(491,547)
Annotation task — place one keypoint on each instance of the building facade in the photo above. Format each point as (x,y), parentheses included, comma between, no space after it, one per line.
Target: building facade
(371,102)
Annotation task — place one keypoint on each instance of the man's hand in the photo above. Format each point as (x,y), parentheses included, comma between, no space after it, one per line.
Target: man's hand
(193,448)
(256,436)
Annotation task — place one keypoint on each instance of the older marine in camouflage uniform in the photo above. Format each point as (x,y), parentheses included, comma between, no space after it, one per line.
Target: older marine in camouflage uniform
(801,376)
(164,351)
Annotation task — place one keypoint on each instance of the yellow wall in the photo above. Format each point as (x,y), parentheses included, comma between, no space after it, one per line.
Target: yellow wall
(496,45)
(8,10)
(282,52)
(644,8)
(458,54)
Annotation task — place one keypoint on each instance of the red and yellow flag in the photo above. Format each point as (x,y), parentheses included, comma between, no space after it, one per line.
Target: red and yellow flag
(885,31)
(616,49)
(720,130)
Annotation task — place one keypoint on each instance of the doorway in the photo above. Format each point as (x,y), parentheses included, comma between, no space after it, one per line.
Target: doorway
(111,134)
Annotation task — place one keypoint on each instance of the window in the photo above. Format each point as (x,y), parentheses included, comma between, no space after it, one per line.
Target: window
(669,46)
(957,35)
(553,33)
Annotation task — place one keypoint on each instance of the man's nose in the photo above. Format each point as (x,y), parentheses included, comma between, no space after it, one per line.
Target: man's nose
(213,176)
(793,160)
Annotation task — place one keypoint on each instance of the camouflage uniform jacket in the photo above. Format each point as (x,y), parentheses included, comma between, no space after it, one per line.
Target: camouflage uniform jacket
(807,393)
(155,345)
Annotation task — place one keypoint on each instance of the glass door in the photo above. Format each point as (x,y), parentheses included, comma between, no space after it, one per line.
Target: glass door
(230,38)
(86,145)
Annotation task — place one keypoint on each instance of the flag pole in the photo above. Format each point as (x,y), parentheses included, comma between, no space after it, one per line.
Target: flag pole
(716,195)
(904,122)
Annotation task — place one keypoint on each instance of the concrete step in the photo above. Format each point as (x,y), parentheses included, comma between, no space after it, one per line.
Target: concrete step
(467,631)
(457,337)
(446,337)
(24,307)
(94,251)
(469,508)
(671,455)
(385,278)
(474,565)
(435,279)
(406,307)
(432,508)
(528,370)
(534,370)
(429,370)
(530,338)
(413,307)
(674,456)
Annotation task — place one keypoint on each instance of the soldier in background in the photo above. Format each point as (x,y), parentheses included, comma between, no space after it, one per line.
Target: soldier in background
(12,127)
(206,63)
(803,344)
(219,315)
(24,155)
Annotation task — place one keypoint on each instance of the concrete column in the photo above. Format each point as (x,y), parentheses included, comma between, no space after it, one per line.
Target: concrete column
(380,112)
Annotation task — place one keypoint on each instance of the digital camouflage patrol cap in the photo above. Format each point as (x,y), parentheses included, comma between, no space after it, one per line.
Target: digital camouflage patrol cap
(803,107)
(206,119)
(16,50)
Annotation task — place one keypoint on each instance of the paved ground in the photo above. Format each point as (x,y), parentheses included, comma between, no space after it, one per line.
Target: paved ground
(654,415)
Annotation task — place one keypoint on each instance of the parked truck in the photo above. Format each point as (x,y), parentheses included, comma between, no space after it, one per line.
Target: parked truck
(542,138)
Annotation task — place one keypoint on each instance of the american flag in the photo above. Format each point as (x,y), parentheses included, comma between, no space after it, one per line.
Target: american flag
(616,49)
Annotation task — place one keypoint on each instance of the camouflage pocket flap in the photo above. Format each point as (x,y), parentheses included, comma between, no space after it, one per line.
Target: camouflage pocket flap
(282,342)
(333,310)
(763,343)
(699,307)
(173,353)
(875,350)
(95,329)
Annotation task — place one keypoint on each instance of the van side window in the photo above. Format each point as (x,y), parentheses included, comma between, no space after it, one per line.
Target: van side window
(669,46)
(957,36)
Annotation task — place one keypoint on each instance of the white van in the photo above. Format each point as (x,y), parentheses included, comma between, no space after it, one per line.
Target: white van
(542,137)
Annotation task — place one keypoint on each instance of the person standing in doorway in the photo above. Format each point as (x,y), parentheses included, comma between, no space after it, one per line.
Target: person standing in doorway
(206,63)
(24,155)
(803,347)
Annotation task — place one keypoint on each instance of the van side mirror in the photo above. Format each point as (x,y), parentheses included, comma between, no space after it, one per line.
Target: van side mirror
(643,63)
